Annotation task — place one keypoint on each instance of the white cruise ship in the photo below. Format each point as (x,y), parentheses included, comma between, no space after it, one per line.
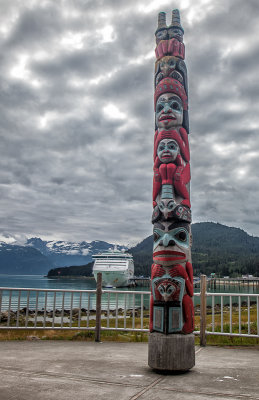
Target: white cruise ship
(117,267)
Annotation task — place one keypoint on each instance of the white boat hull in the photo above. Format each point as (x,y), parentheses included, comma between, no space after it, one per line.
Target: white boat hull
(113,278)
(117,268)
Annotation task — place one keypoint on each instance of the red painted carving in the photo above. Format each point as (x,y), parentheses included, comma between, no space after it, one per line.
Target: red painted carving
(157,271)
(180,136)
(170,47)
(172,272)
(171,85)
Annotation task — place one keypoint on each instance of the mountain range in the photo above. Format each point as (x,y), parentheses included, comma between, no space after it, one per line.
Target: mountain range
(216,248)
(38,256)
(62,253)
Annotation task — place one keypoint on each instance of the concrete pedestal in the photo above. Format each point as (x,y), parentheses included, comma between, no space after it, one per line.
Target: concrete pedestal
(171,352)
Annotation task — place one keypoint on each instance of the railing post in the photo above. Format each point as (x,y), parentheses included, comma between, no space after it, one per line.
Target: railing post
(98,307)
(203,310)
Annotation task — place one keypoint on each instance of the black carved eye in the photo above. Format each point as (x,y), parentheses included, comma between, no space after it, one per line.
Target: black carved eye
(161,34)
(171,205)
(161,206)
(169,289)
(182,236)
(161,289)
(172,146)
(161,147)
(175,106)
(159,108)
(155,236)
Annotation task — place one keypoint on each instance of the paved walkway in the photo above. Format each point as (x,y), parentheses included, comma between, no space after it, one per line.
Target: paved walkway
(39,370)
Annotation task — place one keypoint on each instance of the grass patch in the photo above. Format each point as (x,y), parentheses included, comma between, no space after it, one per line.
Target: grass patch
(214,340)
(89,336)
(129,336)
(117,336)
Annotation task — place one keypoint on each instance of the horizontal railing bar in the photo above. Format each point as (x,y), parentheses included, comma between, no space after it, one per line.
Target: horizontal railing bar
(231,334)
(105,328)
(233,279)
(232,294)
(49,290)
(126,291)
(121,292)
(84,328)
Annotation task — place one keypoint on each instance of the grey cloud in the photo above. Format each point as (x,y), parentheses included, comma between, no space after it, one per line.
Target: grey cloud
(87,175)
(35,25)
(87,63)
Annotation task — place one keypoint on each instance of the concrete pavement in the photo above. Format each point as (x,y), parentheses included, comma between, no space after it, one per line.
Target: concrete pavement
(40,370)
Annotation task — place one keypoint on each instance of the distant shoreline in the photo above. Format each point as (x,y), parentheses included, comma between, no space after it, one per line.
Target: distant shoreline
(69,277)
(235,282)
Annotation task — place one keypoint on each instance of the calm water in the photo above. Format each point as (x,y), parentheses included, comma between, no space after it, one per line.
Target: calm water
(86,300)
(41,282)
(238,288)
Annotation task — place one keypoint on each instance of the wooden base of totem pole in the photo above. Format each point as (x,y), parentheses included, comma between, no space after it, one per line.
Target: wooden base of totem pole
(171,352)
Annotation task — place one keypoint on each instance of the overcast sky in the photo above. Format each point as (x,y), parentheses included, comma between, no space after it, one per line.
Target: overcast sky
(77,119)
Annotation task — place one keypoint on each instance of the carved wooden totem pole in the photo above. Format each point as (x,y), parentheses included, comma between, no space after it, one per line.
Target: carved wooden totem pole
(171,341)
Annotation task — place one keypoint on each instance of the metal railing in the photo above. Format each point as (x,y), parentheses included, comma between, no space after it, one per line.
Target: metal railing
(229,314)
(224,306)
(46,308)
(32,308)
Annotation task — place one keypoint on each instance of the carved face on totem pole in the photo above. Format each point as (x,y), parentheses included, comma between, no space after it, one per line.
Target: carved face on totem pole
(169,111)
(172,243)
(175,32)
(167,67)
(168,209)
(168,150)
(172,176)
(167,288)
(161,34)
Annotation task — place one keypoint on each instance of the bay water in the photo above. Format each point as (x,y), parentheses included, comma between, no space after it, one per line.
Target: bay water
(29,298)
(87,300)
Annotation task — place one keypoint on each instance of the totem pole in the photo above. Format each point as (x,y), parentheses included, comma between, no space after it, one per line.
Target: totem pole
(171,341)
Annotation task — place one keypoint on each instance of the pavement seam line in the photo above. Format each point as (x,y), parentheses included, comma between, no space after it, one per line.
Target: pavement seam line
(221,394)
(137,396)
(67,376)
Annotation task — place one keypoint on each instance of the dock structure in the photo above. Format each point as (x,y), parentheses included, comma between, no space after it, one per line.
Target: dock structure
(171,339)
(237,282)
(143,282)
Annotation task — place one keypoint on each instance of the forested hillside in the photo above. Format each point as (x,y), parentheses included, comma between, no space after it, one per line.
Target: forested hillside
(224,250)
(74,270)
(216,248)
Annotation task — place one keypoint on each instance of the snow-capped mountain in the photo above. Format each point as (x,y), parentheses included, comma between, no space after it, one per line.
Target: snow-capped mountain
(22,260)
(38,256)
(62,253)
(18,240)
